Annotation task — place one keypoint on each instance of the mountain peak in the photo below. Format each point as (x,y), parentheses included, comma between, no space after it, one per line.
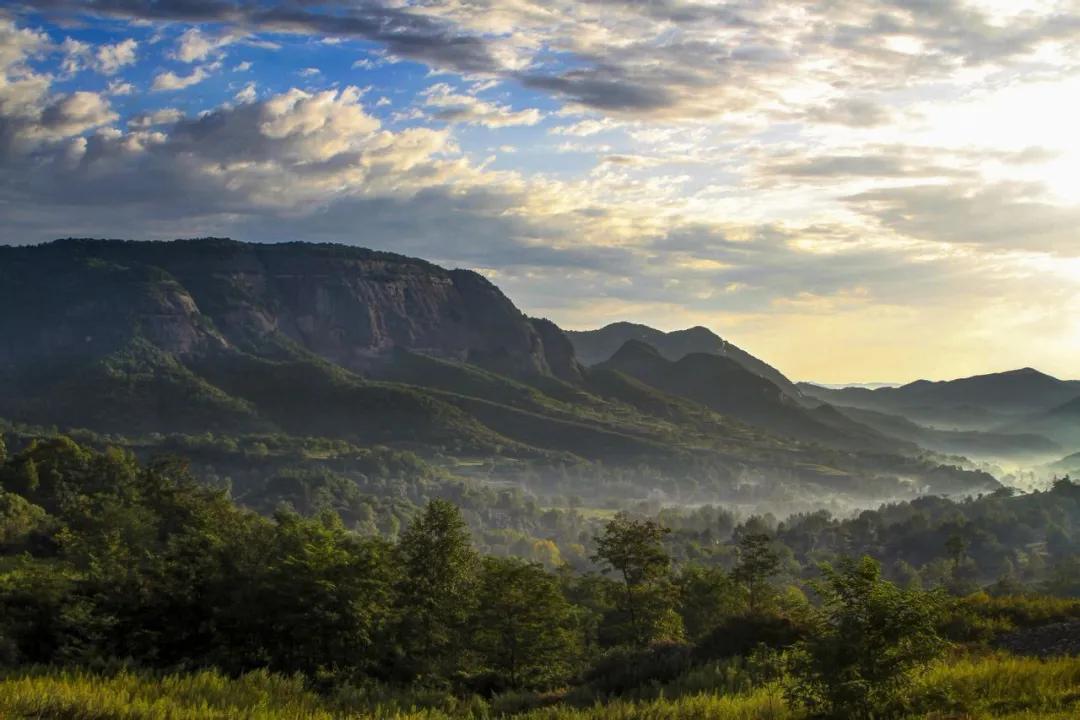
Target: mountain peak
(633,349)
(596,346)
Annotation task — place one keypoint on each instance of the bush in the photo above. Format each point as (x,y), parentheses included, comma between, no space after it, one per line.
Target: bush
(625,668)
(739,636)
(871,640)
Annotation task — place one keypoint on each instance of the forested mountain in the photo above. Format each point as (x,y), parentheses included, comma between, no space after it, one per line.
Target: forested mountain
(596,346)
(726,386)
(149,341)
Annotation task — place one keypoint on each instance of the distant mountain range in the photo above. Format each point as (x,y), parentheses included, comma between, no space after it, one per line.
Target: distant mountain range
(979,402)
(145,341)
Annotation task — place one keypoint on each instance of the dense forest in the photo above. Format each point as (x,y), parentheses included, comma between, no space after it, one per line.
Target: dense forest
(120,576)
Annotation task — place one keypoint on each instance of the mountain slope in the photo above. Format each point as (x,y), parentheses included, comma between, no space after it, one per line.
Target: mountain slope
(596,346)
(725,386)
(1062,423)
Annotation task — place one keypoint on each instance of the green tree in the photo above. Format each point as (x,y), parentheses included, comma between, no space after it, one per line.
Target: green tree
(525,630)
(757,563)
(316,599)
(437,591)
(708,597)
(869,641)
(634,549)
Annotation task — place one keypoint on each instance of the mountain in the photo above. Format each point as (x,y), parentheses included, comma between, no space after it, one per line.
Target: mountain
(727,387)
(596,346)
(1062,423)
(978,402)
(326,353)
(1070,464)
(350,306)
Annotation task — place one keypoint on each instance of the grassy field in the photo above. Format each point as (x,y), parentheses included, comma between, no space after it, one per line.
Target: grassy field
(975,688)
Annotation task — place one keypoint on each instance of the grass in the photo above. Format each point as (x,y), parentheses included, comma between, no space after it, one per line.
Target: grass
(996,686)
(1002,686)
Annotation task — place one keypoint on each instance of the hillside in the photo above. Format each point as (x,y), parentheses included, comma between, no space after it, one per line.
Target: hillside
(595,346)
(1062,423)
(725,386)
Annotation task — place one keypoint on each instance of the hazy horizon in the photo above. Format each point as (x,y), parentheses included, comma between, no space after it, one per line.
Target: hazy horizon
(847,190)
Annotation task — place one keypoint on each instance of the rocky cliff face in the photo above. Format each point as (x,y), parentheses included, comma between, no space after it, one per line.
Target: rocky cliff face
(348,305)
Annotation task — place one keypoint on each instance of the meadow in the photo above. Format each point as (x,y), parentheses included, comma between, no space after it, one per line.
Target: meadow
(971,687)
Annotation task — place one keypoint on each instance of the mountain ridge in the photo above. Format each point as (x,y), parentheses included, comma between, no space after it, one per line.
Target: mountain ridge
(596,346)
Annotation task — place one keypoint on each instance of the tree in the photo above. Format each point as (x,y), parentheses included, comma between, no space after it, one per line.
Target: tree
(957,548)
(437,592)
(318,598)
(869,641)
(524,627)
(634,548)
(757,563)
(709,596)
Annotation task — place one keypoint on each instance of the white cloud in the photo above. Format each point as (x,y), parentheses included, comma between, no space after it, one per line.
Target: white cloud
(195,46)
(110,58)
(74,114)
(105,59)
(161,116)
(169,80)
(455,107)
(247,94)
(119,88)
(585,128)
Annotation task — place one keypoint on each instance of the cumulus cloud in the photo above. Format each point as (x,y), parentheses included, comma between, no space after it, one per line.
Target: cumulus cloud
(247,94)
(162,116)
(195,46)
(105,59)
(455,107)
(74,114)
(168,80)
(119,88)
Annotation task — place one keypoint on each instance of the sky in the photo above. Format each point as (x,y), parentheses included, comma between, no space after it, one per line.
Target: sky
(853,191)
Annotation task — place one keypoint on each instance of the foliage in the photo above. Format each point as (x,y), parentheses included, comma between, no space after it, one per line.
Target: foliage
(525,630)
(871,640)
(437,590)
(757,563)
(634,549)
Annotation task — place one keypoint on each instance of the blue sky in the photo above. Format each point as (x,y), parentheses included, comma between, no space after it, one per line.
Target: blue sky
(853,190)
